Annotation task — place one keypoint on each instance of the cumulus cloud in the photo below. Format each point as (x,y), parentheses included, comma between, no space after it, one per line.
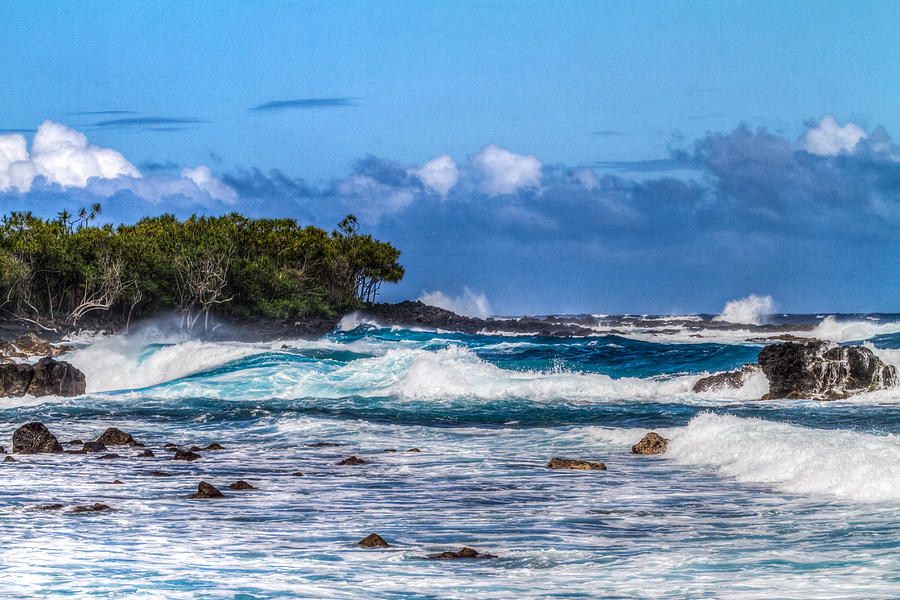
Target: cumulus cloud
(506,172)
(204,179)
(830,138)
(440,174)
(60,155)
(468,303)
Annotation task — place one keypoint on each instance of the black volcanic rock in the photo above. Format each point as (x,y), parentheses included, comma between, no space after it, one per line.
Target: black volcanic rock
(418,314)
(373,540)
(188,456)
(464,552)
(652,443)
(730,379)
(116,437)
(583,465)
(207,490)
(241,485)
(821,371)
(95,507)
(93,447)
(47,377)
(35,438)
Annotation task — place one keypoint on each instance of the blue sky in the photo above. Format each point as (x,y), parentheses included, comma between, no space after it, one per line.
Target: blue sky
(566,156)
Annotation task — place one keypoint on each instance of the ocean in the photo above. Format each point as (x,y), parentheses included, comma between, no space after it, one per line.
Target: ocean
(786,498)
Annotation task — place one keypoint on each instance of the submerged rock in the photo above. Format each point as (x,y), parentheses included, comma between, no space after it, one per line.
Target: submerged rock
(324,445)
(35,438)
(353,460)
(186,455)
(93,447)
(464,552)
(109,456)
(730,379)
(49,506)
(9,459)
(214,446)
(95,507)
(566,463)
(160,474)
(296,474)
(117,437)
(207,490)
(820,371)
(652,443)
(413,450)
(241,485)
(373,540)
(146,453)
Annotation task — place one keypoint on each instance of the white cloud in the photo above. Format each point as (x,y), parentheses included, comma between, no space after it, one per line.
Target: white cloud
(59,154)
(371,198)
(829,138)
(506,172)
(587,178)
(213,186)
(440,174)
(469,303)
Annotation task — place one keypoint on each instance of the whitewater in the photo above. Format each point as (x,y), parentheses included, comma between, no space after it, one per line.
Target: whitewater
(787,498)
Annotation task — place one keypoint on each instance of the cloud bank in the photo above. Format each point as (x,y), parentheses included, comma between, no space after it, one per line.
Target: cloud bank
(808,219)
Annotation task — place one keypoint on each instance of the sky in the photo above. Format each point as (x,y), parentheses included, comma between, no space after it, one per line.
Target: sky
(526,157)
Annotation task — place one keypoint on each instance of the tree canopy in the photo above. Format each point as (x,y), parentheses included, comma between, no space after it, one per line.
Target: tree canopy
(63,269)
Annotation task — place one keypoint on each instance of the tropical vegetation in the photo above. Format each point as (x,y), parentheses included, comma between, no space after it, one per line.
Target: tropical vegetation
(64,269)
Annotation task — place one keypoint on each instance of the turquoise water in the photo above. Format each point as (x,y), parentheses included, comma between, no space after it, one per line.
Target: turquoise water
(778,499)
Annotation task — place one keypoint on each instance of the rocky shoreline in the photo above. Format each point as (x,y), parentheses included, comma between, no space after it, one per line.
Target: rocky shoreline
(415,314)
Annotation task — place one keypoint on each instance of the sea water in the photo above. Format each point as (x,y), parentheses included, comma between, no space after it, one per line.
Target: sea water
(787,499)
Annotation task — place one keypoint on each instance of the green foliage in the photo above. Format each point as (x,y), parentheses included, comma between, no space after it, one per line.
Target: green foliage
(65,268)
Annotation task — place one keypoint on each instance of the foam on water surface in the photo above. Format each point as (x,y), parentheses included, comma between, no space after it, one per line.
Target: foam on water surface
(753,499)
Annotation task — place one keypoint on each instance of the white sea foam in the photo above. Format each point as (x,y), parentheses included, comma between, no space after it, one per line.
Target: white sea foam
(468,303)
(749,310)
(847,331)
(853,466)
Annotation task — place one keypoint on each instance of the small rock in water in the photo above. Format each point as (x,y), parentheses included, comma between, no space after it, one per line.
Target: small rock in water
(95,507)
(373,540)
(2,450)
(352,461)
(116,437)
(116,482)
(182,455)
(207,490)
(109,456)
(169,445)
(464,552)
(146,453)
(413,450)
(297,474)
(35,438)
(652,443)
(566,463)
(389,450)
(214,446)
(324,445)
(9,459)
(50,506)
(160,474)
(241,485)
(93,447)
